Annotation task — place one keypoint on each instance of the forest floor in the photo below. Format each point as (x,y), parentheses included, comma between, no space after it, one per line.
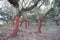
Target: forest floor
(49,32)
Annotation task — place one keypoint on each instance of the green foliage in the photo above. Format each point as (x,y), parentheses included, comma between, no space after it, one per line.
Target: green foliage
(6,16)
(47,2)
(49,12)
(57,2)
(37,10)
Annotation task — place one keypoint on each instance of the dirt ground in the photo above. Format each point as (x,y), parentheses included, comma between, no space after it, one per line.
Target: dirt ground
(49,32)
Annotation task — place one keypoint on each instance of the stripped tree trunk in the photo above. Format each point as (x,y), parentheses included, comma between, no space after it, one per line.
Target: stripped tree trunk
(16,26)
(39,25)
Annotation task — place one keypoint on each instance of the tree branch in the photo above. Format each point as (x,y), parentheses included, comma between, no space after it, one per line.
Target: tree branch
(42,3)
(30,8)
